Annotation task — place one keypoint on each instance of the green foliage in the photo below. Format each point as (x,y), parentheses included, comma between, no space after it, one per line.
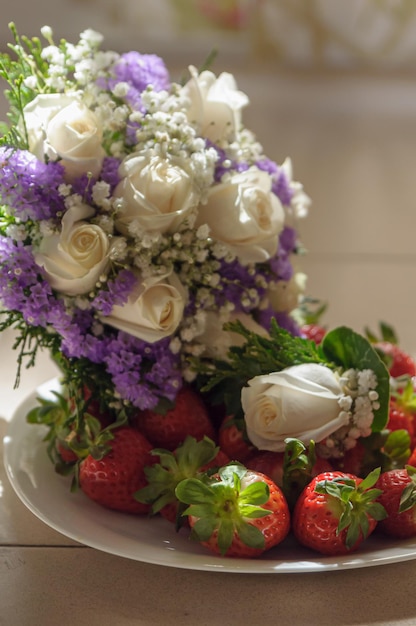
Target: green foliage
(298,463)
(173,467)
(408,497)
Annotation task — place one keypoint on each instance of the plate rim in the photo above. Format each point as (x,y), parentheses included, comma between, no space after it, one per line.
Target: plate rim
(19,432)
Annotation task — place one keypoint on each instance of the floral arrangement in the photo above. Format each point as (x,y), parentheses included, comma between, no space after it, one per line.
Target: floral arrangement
(149,244)
(138,215)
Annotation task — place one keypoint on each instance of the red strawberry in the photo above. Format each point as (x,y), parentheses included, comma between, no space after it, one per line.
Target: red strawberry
(233,439)
(352,461)
(400,419)
(412,459)
(189,459)
(399,363)
(336,511)
(238,513)
(66,454)
(271,464)
(189,416)
(268,463)
(398,497)
(314,332)
(112,479)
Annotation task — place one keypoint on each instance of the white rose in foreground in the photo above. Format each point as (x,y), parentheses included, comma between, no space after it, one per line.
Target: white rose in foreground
(218,341)
(300,401)
(245,215)
(153,311)
(61,126)
(156,193)
(215,105)
(74,260)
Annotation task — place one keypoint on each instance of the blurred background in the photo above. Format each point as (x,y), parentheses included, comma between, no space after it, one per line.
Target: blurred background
(332,84)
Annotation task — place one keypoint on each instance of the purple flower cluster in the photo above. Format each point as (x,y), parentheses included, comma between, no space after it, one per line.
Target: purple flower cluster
(139,71)
(28,186)
(143,375)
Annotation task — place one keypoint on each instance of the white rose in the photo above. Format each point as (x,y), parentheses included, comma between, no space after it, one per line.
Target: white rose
(284,296)
(301,401)
(215,105)
(61,126)
(245,215)
(154,309)
(156,193)
(218,341)
(74,260)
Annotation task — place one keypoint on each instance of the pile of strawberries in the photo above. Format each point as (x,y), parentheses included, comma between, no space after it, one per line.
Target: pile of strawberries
(196,468)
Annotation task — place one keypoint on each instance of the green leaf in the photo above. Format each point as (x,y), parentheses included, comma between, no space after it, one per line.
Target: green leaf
(349,349)
(251,536)
(256,493)
(225,535)
(251,511)
(204,528)
(194,491)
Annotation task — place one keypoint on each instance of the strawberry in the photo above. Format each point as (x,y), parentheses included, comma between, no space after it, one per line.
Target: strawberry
(398,497)
(412,458)
(233,439)
(189,416)
(268,463)
(314,332)
(398,362)
(112,479)
(352,460)
(400,419)
(272,464)
(189,459)
(336,511)
(235,513)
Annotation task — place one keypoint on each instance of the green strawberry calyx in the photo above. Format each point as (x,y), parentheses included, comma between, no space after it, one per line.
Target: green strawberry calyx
(353,504)
(224,506)
(408,497)
(173,467)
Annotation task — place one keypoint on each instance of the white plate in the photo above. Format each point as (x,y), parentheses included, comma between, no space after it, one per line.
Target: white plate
(154,540)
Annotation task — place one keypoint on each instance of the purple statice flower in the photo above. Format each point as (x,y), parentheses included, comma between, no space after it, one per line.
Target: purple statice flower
(28,186)
(83,185)
(236,282)
(281,264)
(281,184)
(225,165)
(142,373)
(139,71)
(18,276)
(109,172)
(117,291)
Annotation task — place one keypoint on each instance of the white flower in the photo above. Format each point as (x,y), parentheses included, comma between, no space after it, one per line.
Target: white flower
(217,341)
(300,202)
(215,105)
(156,194)
(61,126)
(301,401)
(74,260)
(284,296)
(154,309)
(245,215)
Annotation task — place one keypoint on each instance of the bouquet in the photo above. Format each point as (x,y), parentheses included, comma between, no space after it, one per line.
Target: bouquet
(149,244)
